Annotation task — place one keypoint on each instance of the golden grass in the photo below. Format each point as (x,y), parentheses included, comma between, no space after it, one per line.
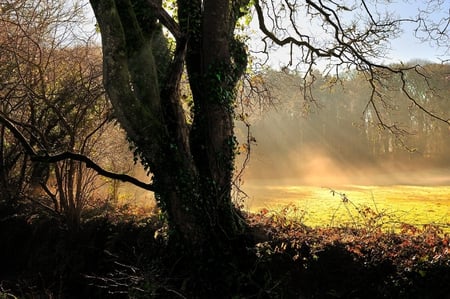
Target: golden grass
(387,206)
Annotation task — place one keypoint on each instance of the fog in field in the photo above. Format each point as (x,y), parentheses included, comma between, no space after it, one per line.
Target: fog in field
(337,141)
(281,153)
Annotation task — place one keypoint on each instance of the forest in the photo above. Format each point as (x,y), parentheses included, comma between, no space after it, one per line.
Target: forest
(123,163)
(339,125)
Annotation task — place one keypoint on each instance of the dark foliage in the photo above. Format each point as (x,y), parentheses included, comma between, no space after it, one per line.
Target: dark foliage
(107,258)
(40,257)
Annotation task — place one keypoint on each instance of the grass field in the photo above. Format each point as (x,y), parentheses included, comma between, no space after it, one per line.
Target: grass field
(388,206)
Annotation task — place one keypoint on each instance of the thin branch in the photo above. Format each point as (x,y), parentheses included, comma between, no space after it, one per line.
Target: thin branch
(417,104)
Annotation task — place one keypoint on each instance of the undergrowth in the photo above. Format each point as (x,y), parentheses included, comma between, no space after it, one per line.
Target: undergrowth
(129,257)
(366,257)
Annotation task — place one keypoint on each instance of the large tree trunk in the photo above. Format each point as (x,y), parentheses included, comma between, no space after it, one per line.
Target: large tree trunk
(192,166)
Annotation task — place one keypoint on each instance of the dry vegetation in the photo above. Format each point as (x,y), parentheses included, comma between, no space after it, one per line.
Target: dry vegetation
(349,262)
(124,254)
(386,207)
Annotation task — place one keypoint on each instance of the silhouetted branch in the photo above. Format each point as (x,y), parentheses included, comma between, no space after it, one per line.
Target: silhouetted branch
(47,158)
(354,45)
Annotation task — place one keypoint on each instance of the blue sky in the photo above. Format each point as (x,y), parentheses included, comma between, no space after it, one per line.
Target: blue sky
(406,47)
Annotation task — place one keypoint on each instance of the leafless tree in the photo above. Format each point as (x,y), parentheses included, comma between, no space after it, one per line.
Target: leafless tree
(52,97)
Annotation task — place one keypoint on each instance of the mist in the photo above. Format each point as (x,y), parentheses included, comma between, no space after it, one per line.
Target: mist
(338,142)
(282,153)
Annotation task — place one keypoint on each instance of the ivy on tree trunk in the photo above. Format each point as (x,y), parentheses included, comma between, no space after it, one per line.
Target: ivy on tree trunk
(191,164)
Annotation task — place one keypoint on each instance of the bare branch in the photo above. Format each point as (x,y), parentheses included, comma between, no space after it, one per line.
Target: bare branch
(417,104)
(47,158)
(352,44)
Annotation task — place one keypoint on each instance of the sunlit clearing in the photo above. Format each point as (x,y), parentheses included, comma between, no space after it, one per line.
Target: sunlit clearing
(310,163)
(385,207)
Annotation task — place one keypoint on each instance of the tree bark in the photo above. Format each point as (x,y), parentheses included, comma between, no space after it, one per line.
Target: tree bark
(192,165)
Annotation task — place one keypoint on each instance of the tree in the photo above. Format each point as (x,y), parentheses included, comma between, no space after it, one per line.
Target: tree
(27,43)
(70,115)
(191,162)
(52,97)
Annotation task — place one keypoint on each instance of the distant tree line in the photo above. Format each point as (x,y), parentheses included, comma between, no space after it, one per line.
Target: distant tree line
(335,117)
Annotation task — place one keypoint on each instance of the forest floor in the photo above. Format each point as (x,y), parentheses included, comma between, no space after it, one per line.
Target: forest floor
(123,256)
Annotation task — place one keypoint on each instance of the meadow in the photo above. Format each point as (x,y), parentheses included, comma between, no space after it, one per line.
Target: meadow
(384,206)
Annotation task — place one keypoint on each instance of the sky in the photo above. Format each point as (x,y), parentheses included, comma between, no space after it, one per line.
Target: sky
(406,47)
